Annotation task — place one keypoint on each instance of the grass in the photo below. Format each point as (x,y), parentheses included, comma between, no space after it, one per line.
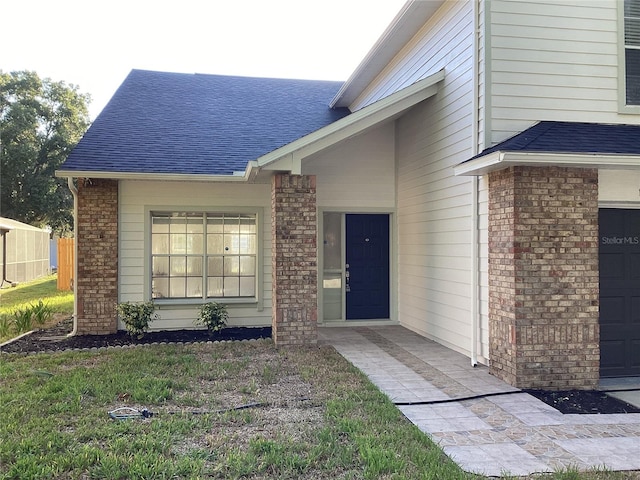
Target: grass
(17,302)
(221,410)
(225,410)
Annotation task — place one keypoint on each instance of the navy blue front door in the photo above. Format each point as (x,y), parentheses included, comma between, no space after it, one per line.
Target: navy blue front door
(367,269)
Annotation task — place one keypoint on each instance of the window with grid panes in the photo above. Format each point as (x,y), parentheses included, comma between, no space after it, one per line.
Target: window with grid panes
(203,255)
(632,51)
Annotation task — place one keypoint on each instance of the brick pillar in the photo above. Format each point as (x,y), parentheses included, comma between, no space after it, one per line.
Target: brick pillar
(97,237)
(294,253)
(543,277)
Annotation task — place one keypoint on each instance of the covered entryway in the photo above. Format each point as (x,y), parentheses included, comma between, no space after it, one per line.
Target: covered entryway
(619,292)
(356,266)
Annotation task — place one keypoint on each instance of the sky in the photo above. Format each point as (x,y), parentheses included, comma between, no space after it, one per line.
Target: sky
(94,44)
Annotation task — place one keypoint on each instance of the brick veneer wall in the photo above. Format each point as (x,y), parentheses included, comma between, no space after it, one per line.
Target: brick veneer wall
(543,277)
(97,237)
(294,254)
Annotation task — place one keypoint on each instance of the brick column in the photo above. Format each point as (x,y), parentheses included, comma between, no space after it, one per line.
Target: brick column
(294,253)
(543,277)
(97,237)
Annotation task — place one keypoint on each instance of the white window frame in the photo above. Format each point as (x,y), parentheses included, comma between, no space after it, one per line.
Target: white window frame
(259,283)
(623,107)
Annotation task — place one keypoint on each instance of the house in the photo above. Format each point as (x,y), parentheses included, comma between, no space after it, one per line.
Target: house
(475,180)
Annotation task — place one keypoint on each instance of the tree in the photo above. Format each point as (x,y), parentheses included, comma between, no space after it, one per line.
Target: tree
(40,123)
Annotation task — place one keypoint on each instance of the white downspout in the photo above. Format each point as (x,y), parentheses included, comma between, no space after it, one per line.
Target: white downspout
(475,270)
(74,191)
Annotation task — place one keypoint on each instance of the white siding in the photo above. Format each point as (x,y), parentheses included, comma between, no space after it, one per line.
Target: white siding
(138,197)
(356,174)
(553,60)
(619,188)
(433,206)
(443,42)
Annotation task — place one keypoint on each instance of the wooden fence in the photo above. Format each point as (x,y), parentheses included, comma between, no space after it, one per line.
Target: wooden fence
(66,250)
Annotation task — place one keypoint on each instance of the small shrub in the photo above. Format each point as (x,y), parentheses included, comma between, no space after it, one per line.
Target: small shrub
(5,326)
(212,315)
(137,316)
(41,312)
(22,320)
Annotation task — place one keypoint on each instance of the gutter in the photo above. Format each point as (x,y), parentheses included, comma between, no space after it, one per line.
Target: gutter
(475,236)
(74,191)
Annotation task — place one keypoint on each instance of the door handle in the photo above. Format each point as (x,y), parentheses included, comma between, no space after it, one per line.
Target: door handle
(347,287)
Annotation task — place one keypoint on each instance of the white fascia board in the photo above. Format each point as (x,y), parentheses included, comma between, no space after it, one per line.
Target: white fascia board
(500,160)
(411,18)
(236,177)
(290,156)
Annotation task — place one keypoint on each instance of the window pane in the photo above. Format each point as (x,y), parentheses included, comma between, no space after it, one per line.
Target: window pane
(177,287)
(160,287)
(231,224)
(194,287)
(247,244)
(160,266)
(179,223)
(214,223)
(247,266)
(215,244)
(332,241)
(231,243)
(632,31)
(232,266)
(632,8)
(194,223)
(178,243)
(214,287)
(247,286)
(160,224)
(633,76)
(194,266)
(178,266)
(215,266)
(194,243)
(247,224)
(232,287)
(159,243)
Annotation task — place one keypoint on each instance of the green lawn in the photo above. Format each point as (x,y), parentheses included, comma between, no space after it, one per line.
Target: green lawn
(17,302)
(221,410)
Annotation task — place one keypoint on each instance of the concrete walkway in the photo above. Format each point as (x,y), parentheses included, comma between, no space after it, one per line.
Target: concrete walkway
(499,431)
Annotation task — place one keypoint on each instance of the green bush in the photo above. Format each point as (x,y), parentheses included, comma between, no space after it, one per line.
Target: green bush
(22,320)
(137,316)
(41,312)
(212,315)
(5,326)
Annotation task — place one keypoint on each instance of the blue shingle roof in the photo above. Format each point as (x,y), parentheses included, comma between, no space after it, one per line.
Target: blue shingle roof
(573,137)
(176,123)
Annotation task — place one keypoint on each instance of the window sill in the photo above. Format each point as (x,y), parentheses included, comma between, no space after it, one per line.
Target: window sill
(196,302)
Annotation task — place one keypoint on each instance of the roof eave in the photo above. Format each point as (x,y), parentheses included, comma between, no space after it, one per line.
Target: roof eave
(190,177)
(504,159)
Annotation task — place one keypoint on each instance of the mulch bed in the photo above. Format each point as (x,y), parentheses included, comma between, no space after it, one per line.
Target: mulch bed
(55,338)
(583,401)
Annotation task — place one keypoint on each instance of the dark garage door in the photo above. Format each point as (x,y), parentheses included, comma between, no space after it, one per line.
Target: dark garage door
(619,292)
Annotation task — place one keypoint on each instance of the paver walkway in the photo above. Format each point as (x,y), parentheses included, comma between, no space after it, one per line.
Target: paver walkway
(488,427)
